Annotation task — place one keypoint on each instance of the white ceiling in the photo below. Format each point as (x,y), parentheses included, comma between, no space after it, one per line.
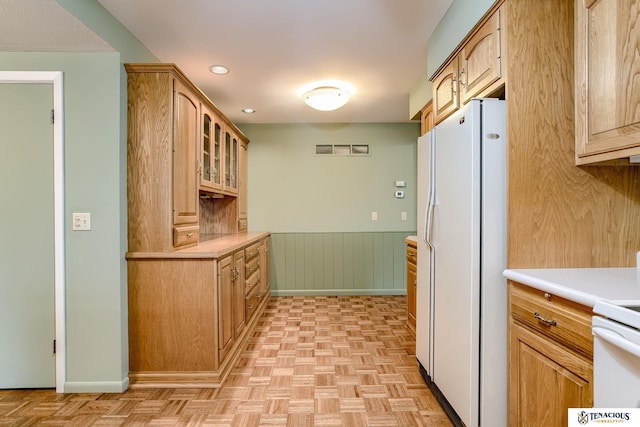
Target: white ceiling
(272,47)
(44,26)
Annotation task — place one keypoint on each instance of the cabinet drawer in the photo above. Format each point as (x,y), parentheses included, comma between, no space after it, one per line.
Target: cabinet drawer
(251,266)
(562,320)
(186,234)
(251,252)
(412,254)
(252,282)
(252,301)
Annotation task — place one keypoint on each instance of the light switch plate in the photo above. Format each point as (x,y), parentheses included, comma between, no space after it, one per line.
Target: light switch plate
(81,221)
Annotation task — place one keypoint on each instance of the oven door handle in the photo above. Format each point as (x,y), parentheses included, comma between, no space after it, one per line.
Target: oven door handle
(616,340)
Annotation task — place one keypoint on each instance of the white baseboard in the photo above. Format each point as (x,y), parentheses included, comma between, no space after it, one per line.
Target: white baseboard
(335,292)
(96,386)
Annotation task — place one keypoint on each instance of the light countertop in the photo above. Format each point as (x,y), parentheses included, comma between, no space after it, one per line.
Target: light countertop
(583,285)
(209,247)
(413,240)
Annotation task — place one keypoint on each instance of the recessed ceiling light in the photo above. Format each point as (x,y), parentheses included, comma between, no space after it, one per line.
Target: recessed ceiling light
(248,110)
(218,69)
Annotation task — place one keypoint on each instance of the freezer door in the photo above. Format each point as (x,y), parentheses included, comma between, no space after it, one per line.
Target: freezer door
(423,298)
(456,238)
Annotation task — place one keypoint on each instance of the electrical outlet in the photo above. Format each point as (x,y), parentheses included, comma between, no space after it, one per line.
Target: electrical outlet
(81,221)
(374,216)
(403,216)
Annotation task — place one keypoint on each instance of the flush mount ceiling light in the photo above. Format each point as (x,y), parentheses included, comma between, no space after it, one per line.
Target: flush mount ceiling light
(248,110)
(218,69)
(326,96)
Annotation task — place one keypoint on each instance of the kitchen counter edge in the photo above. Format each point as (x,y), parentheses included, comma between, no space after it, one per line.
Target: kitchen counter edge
(585,286)
(214,248)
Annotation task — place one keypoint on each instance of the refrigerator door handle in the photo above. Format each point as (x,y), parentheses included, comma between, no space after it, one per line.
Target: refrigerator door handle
(427,225)
(433,198)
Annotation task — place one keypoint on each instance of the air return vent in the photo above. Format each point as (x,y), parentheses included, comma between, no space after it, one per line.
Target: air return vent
(343,149)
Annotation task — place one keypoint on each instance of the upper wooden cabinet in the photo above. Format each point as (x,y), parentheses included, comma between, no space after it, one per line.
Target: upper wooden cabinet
(426,118)
(231,148)
(473,70)
(162,157)
(607,116)
(176,146)
(186,122)
(210,150)
(445,91)
(480,59)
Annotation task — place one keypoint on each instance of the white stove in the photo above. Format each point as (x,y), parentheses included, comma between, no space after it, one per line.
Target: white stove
(616,354)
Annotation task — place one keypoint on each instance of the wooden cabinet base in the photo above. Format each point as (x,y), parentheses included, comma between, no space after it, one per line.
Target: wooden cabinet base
(198,379)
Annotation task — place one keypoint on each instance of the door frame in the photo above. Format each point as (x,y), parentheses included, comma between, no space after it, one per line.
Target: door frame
(56,79)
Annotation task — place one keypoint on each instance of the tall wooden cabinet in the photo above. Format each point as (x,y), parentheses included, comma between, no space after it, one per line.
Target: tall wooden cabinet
(189,309)
(606,72)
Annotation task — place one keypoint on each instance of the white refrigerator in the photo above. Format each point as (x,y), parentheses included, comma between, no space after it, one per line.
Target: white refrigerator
(461,302)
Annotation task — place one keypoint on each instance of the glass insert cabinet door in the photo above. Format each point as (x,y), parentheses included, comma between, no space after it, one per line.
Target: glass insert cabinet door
(206,148)
(210,177)
(230,161)
(217,143)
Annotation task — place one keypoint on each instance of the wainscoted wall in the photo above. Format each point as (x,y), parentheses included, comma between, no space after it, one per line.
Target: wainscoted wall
(319,208)
(362,263)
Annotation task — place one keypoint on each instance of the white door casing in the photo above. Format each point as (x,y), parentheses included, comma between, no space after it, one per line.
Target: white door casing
(56,79)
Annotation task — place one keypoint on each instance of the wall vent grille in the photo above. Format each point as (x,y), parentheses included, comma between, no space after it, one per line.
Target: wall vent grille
(343,149)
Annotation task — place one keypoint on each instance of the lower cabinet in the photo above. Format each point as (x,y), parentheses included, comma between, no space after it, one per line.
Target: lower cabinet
(190,317)
(550,357)
(412,283)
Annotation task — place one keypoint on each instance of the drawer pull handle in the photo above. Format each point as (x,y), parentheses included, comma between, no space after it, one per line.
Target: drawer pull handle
(189,235)
(544,320)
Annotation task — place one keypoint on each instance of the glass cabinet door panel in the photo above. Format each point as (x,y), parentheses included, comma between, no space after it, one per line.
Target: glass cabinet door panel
(234,166)
(206,148)
(227,159)
(217,141)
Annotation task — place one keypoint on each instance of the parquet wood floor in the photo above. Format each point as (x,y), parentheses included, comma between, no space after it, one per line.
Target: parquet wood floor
(312,361)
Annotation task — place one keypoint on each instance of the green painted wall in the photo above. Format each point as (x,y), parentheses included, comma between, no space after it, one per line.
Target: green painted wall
(291,189)
(95,105)
(96,343)
(319,207)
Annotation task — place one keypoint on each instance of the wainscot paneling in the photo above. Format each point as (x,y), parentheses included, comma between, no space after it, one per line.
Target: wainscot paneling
(367,263)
